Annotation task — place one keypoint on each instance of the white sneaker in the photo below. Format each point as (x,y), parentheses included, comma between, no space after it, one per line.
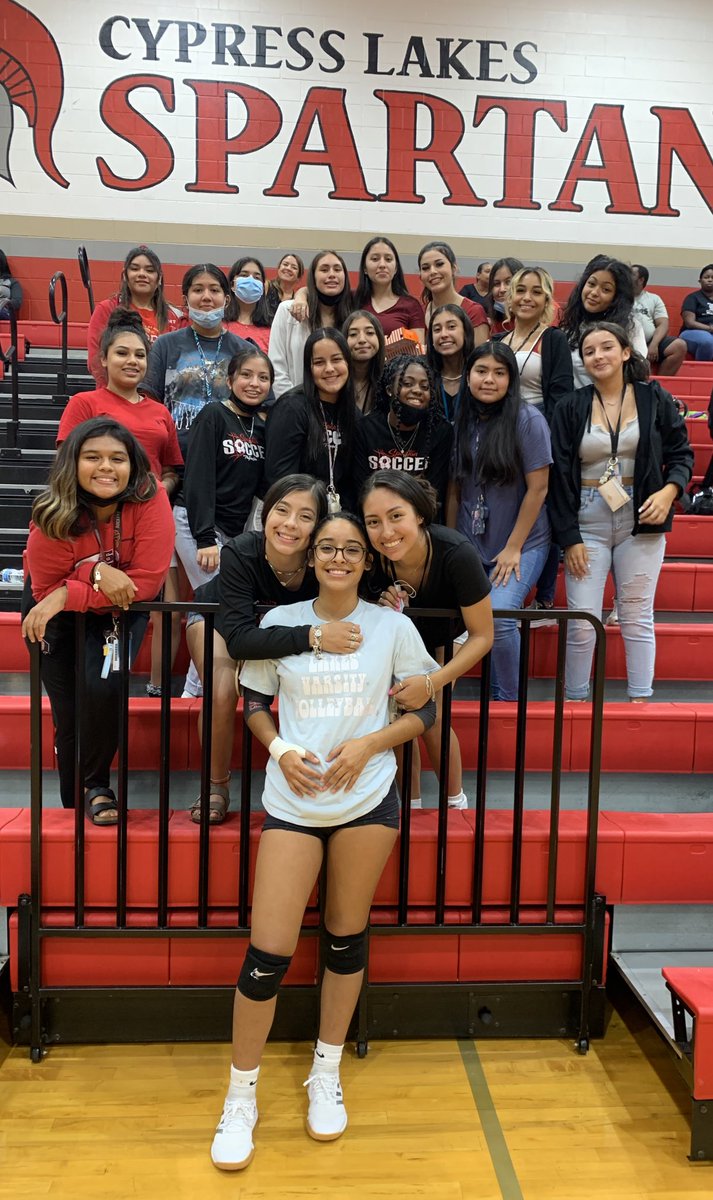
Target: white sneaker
(233,1147)
(460,801)
(326,1116)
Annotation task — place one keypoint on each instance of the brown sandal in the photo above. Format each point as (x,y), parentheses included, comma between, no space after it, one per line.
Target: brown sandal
(218,802)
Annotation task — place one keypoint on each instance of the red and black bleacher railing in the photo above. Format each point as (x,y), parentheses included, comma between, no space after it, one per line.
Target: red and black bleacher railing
(485,922)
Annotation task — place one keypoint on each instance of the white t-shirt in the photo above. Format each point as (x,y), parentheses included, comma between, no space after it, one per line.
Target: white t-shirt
(328,700)
(649,307)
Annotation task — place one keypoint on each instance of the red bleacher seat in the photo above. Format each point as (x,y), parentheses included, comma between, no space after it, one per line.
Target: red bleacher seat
(694,988)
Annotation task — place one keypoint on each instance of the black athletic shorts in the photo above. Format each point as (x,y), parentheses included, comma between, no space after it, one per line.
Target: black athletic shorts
(386,813)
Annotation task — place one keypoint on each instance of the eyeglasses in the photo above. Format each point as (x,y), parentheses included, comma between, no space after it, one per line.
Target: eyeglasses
(353,553)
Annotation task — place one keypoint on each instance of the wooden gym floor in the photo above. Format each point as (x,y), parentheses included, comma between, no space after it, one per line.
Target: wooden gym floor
(442,1120)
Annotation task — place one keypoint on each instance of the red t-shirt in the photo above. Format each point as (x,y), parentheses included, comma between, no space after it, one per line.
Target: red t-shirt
(259,334)
(99,321)
(147,537)
(476,312)
(406,313)
(150,422)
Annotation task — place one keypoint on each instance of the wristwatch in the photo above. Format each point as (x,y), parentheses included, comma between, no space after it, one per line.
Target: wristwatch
(96,577)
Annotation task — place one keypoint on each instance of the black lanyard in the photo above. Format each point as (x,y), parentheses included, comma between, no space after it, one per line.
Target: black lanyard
(613,433)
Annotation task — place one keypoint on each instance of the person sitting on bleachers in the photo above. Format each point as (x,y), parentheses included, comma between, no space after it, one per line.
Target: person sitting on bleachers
(141,289)
(10,290)
(697,315)
(666,354)
(478,289)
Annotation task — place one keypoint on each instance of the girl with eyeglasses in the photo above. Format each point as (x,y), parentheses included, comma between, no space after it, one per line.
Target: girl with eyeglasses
(329,793)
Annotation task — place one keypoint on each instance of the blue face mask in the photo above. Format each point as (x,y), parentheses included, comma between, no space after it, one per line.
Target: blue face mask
(247,289)
(207,320)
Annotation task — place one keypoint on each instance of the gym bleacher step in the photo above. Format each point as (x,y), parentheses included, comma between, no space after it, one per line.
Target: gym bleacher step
(646,938)
(34,435)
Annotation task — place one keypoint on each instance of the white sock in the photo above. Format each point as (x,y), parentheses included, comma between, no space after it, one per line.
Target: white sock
(242,1084)
(326,1058)
(416,802)
(457,799)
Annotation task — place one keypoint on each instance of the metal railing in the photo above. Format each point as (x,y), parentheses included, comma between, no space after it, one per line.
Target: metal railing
(9,358)
(58,281)
(86,275)
(560,1006)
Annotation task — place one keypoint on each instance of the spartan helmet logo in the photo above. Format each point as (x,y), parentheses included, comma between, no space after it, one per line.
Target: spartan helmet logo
(32,78)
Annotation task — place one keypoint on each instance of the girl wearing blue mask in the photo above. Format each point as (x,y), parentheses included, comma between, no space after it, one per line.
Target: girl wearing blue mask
(247,312)
(189,369)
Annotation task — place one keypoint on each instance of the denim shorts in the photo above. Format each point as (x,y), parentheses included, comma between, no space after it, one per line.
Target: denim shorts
(386,813)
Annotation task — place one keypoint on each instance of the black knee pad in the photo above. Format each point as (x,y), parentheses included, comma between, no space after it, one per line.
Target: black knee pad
(344,955)
(262,973)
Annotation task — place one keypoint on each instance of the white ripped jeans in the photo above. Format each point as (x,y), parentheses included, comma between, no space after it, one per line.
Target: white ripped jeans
(635,563)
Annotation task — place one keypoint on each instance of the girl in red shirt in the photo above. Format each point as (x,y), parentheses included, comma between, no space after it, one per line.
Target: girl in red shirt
(439,270)
(101,537)
(141,289)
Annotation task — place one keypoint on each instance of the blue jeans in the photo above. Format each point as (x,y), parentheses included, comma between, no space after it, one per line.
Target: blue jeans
(699,344)
(635,563)
(506,647)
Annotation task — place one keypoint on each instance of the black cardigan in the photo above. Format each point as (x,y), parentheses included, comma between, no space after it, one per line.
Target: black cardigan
(663,456)
(557,376)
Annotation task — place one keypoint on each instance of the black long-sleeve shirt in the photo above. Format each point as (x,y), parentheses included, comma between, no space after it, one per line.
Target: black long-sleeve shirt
(225,468)
(287,450)
(246,579)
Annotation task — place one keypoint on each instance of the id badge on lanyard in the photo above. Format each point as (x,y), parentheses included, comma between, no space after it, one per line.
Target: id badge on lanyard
(610,488)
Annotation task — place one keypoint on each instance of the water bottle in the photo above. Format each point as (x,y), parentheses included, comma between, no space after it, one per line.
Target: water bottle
(12,576)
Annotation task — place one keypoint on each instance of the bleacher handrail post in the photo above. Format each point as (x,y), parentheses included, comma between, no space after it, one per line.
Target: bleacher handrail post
(86,275)
(61,319)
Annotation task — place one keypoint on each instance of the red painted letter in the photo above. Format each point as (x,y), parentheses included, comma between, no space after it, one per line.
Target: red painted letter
(120,116)
(519,152)
(447,127)
(680,136)
(617,172)
(263,121)
(325,106)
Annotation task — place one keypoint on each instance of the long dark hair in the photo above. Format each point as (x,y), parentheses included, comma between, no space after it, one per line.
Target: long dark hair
(158,300)
(59,512)
(261,316)
(4,264)
(435,358)
(619,311)
(513,265)
(345,305)
(364,289)
(345,406)
(636,367)
(499,458)
(447,252)
(376,364)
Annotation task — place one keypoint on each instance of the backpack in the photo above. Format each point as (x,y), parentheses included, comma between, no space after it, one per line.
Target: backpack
(702,503)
